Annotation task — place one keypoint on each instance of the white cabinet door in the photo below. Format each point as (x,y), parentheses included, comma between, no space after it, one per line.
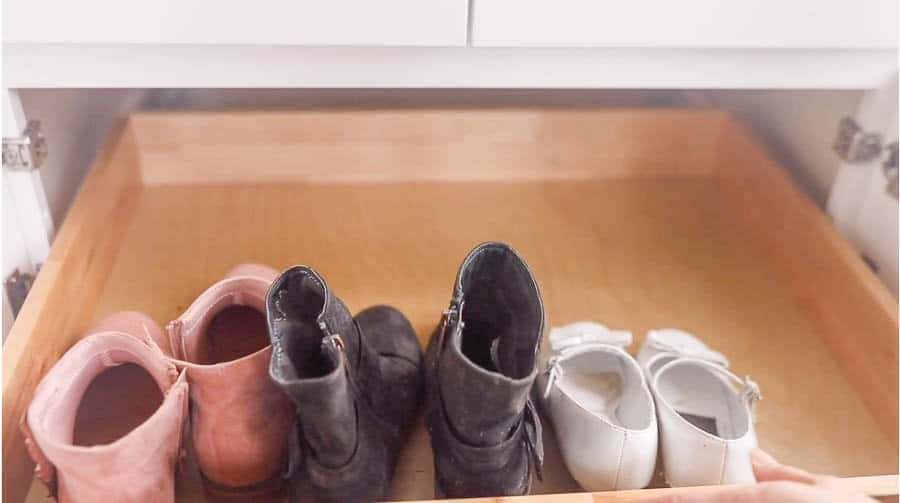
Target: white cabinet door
(272,22)
(27,224)
(863,207)
(801,24)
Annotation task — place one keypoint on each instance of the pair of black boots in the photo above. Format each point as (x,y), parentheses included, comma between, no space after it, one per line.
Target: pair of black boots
(358,382)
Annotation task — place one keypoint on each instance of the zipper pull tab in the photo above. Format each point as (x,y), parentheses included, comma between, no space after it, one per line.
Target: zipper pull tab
(554,372)
(448,317)
(331,339)
(334,341)
(452,314)
(449,314)
(175,329)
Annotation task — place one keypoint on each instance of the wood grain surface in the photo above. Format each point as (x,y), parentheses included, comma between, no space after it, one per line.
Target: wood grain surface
(404,145)
(855,315)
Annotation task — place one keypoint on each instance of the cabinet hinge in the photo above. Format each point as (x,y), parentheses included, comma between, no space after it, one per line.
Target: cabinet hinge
(856,146)
(892,170)
(17,286)
(26,152)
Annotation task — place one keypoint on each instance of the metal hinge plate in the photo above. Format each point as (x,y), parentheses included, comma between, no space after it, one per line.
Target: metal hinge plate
(891,170)
(26,152)
(17,286)
(856,146)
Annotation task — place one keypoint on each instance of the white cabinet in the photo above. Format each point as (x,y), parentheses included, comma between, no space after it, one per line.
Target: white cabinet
(648,44)
(863,200)
(273,22)
(800,24)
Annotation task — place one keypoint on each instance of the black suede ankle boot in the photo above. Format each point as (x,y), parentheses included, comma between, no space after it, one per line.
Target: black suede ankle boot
(480,366)
(356,384)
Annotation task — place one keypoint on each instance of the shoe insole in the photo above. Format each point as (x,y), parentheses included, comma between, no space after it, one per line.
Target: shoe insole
(477,338)
(116,402)
(600,393)
(304,348)
(707,411)
(704,401)
(235,332)
(705,423)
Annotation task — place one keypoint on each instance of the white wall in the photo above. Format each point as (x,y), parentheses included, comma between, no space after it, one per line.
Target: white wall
(75,122)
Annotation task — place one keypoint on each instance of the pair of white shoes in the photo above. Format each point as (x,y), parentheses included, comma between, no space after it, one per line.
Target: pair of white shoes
(605,413)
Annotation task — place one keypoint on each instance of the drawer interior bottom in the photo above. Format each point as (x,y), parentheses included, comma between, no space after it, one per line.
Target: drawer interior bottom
(632,253)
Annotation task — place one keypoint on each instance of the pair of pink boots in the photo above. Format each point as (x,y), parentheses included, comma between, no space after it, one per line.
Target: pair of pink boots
(109,422)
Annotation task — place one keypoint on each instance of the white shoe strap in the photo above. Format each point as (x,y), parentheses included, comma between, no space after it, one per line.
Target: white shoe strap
(678,343)
(586,332)
(747,388)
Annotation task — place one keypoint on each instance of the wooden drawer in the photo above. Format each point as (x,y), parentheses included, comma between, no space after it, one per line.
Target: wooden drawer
(637,218)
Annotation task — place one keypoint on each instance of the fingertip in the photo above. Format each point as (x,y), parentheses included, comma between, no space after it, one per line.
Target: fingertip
(766,468)
(761,458)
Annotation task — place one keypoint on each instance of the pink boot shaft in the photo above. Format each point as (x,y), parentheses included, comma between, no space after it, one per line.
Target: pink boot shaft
(239,418)
(136,467)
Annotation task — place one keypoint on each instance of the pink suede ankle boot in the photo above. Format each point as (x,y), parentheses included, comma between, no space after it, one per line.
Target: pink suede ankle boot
(239,418)
(106,422)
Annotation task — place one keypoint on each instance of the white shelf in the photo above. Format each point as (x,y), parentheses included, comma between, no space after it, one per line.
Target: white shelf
(273,22)
(774,24)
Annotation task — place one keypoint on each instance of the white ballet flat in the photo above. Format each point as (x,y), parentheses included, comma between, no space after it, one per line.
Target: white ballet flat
(705,411)
(601,408)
